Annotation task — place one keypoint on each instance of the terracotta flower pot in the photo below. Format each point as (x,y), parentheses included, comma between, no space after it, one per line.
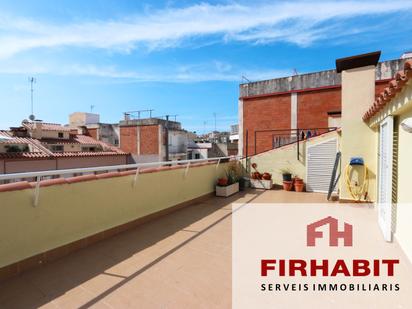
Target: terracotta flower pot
(299,187)
(287,185)
(266,176)
(297,180)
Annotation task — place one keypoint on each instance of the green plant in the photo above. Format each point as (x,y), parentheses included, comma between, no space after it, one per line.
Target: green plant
(233,172)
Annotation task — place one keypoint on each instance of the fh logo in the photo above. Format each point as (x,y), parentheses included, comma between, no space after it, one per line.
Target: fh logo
(334,233)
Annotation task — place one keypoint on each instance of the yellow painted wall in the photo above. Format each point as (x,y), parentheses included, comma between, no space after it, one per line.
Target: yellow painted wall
(404,207)
(70,212)
(274,161)
(358,139)
(405,163)
(401,107)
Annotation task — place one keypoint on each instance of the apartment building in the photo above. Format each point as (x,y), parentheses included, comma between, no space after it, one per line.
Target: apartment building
(153,139)
(90,124)
(37,146)
(276,108)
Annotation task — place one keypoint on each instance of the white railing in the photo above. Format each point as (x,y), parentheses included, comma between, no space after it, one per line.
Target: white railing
(38,176)
(84,170)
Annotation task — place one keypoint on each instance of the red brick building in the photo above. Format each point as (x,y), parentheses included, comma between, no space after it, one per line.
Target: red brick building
(149,141)
(305,101)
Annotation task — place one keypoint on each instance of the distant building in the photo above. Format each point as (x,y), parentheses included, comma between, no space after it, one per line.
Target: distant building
(234,133)
(203,149)
(37,146)
(91,125)
(153,139)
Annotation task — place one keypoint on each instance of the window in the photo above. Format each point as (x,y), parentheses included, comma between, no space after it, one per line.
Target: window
(60,134)
(57,148)
(89,149)
(197,155)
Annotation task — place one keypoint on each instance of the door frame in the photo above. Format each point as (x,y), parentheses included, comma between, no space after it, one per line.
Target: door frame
(385,206)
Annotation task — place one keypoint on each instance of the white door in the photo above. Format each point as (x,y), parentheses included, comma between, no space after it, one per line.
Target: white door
(385,177)
(320,160)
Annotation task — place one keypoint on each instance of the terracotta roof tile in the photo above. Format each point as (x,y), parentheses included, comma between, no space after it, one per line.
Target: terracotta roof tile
(40,151)
(47,126)
(394,87)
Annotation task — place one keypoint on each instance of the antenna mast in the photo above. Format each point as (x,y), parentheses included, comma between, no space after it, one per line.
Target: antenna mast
(32,81)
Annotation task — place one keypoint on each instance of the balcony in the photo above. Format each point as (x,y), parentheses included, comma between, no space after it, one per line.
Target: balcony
(179,260)
(115,240)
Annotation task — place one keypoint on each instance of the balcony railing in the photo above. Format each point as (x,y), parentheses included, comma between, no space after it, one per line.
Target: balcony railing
(76,211)
(283,137)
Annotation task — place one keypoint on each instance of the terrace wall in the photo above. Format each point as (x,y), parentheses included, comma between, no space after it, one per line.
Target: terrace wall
(273,161)
(83,209)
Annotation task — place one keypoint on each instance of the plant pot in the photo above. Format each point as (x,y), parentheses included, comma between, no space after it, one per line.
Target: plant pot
(299,187)
(298,180)
(266,176)
(261,184)
(287,185)
(227,190)
(287,177)
(244,182)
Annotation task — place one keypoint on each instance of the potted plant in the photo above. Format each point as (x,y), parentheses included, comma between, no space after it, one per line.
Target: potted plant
(259,180)
(287,179)
(228,185)
(298,184)
(286,174)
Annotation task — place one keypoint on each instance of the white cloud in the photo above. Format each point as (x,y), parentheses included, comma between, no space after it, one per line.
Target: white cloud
(299,22)
(201,72)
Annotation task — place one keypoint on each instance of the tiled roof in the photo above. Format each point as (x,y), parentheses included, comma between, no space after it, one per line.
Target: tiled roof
(47,126)
(393,88)
(40,151)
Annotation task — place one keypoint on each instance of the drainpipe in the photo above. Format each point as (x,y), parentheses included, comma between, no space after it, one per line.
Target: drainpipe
(167,138)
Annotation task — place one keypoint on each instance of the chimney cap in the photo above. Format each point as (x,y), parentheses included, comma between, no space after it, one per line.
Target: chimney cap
(357,61)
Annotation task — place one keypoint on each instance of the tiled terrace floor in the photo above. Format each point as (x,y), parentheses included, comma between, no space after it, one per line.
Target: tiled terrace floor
(182,260)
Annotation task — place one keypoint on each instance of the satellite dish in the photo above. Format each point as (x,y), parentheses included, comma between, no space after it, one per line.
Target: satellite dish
(32,117)
(407,125)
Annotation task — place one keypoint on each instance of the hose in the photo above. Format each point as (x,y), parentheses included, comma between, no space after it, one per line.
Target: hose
(357,191)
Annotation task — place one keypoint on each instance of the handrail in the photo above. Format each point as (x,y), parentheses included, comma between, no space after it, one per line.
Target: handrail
(106,168)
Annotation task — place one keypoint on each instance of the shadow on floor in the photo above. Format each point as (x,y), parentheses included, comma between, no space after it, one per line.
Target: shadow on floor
(40,286)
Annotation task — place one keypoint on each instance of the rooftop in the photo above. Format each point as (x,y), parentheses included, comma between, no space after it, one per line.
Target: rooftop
(181,260)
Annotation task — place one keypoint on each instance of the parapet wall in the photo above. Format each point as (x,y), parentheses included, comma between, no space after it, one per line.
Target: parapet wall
(77,211)
(328,78)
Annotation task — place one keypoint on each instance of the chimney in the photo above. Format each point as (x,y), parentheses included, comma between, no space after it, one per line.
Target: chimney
(358,94)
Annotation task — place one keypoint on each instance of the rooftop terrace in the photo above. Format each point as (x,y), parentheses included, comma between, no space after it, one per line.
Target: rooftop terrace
(181,260)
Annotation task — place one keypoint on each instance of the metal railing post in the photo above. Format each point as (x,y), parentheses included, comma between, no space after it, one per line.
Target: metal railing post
(187,169)
(36,192)
(217,165)
(136,177)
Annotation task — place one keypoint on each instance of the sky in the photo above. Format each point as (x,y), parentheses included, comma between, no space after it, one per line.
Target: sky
(183,58)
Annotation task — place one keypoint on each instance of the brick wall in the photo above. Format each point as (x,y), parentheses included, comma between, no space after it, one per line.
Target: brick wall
(149,139)
(265,113)
(274,112)
(313,107)
(128,139)
(92,133)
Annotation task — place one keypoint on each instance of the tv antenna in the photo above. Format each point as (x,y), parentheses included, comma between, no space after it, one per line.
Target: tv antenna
(244,78)
(32,81)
